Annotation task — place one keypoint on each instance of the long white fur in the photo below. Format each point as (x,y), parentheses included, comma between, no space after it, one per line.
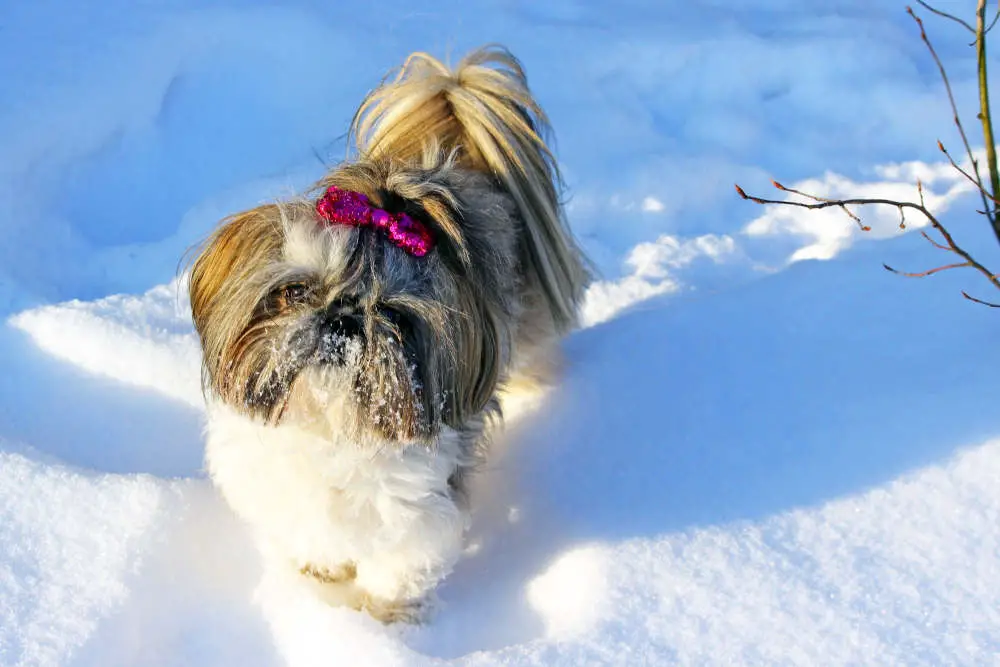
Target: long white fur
(322,502)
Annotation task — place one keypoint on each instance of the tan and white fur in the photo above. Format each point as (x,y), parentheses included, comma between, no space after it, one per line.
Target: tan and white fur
(351,386)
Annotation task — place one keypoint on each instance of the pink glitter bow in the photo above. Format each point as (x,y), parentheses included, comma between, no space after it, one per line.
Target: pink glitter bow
(346,207)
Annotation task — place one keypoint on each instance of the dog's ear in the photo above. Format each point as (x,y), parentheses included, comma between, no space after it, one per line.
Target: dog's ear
(481,352)
(222,269)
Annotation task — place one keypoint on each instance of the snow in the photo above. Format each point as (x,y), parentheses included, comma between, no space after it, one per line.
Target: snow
(142,340)
(765,449)
(72,542)
(653,267)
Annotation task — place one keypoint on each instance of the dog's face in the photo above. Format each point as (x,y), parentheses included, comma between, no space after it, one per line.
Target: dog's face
(331,326)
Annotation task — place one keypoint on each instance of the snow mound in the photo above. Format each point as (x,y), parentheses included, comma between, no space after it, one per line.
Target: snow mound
(904,574)
(665,505)
(654,270)
(71,544)
(146,340)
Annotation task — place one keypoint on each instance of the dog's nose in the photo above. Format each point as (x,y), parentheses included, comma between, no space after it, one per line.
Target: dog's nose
(343,326)
(339,325)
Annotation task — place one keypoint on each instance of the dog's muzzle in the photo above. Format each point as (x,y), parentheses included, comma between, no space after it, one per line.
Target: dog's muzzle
(339,327)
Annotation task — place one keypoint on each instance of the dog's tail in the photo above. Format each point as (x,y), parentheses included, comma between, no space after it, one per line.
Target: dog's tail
(484,112)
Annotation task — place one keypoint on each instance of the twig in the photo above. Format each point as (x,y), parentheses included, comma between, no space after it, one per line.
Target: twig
(842,207)
(946,15)
(930,272)
(993,22)
(933,242)
(951,100)
(985,303)
(977,184)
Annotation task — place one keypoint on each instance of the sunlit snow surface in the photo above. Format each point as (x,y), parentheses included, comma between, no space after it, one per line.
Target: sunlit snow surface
(764,450)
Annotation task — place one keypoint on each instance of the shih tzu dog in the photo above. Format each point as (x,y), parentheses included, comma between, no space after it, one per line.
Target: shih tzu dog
(356,339)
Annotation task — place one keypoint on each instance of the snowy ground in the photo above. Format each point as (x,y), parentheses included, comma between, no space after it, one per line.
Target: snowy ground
(766,449)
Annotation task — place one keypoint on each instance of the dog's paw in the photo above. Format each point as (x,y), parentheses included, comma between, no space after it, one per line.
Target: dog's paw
(413,612)
(338,588)
(341,574)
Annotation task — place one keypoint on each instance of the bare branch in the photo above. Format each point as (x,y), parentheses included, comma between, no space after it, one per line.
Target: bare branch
(933,242)
(977,184)
(985,303)
(954,106)
(930,272)
(992,23)
(818,203)
(821,202)
(831,202)
(947,16)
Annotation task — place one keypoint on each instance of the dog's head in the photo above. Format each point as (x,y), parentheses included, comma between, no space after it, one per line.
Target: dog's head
(335,326)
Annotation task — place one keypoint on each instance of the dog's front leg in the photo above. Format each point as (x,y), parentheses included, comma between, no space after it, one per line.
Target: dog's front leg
(420,544)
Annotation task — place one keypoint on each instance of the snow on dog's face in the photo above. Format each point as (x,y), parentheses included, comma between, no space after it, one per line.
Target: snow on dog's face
(305,322)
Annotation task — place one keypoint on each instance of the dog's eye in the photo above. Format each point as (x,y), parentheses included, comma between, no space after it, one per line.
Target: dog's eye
(292,295)
(400,320)
(392,315)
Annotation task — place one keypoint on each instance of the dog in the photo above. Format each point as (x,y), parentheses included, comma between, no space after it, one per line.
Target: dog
(356,339)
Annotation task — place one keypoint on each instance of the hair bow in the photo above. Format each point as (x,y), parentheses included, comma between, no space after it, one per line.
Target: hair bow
(346,207)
